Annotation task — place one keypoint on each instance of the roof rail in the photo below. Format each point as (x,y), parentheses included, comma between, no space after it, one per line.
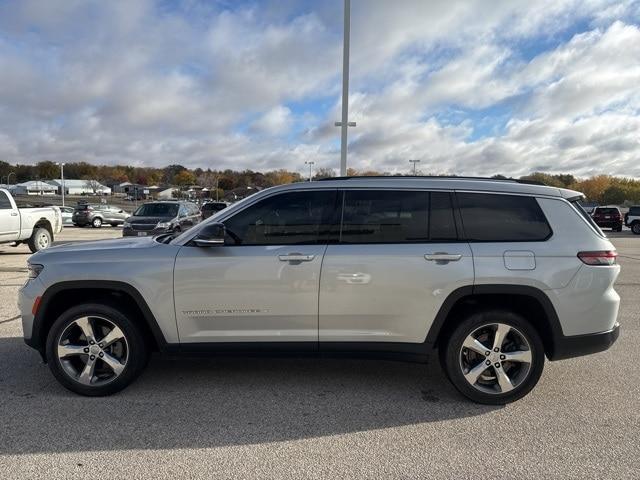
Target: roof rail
(432,177)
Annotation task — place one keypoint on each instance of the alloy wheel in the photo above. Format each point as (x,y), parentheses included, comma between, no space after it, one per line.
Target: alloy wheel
(495,358)
(92,350)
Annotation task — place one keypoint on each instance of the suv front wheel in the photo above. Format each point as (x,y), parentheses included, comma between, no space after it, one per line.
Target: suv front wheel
(95,350)
(493,357)
(635,228)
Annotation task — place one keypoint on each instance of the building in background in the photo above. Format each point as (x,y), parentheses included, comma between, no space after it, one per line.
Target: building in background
(33,187)
(81,187)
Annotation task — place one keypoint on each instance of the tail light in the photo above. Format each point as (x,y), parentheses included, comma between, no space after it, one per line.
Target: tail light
(602,257)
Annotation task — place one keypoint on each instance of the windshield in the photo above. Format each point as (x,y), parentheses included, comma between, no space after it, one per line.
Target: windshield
(157,210)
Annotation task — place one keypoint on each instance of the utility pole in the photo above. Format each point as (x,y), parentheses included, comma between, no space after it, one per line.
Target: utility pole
(414,165)
(345,123)
(310,166)
(62,179)
(10,173)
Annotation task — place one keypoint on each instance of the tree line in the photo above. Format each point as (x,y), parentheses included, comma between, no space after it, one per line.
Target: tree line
(603,189)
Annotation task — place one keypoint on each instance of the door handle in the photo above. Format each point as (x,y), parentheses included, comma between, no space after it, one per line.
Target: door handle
(443,257)
(296,257)
(14,214)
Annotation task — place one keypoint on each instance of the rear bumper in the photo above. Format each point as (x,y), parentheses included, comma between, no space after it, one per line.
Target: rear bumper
(579,345)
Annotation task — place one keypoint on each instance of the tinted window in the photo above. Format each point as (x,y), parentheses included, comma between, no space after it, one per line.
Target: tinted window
(384,217)
(502,218)
(442,225)
(634,211)
(607,211)
(157,210)
(5,203)
(213,207)
(285,219)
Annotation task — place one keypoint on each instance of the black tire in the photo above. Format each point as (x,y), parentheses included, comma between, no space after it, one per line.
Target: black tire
(451,351)
(113,224)
(635,228)
(96,222)
(137,351)
(40,239)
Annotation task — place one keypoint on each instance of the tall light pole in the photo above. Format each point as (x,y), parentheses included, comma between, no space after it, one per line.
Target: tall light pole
(311,164)
(345,123)
(414,165)
(10,173)
(61,179)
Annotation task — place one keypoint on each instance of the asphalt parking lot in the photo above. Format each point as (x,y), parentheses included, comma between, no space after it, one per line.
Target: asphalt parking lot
(309,418)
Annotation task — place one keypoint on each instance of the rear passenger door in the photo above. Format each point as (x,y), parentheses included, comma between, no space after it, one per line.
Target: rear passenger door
(396,260)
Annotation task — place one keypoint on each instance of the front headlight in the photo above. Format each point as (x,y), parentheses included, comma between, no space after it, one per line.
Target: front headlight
(163,225)
(126,225)
(34,269)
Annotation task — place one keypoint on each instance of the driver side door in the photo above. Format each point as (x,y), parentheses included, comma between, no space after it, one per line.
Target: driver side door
(262,285)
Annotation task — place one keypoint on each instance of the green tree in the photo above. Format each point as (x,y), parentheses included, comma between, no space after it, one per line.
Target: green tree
(184,178)
(614,195)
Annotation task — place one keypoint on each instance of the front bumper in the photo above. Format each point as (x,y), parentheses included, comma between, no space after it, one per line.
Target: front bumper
(579,345)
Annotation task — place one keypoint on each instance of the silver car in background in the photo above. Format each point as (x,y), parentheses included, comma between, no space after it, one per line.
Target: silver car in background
(491,276)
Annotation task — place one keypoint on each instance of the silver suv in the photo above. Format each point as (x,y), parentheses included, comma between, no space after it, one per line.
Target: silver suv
(492,275)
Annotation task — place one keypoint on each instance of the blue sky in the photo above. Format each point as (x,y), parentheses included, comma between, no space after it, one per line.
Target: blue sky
(467,87)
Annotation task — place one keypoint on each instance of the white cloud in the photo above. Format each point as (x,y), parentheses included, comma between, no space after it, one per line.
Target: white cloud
(467,87)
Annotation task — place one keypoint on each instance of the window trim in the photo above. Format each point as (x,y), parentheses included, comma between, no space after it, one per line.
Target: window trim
(510,194)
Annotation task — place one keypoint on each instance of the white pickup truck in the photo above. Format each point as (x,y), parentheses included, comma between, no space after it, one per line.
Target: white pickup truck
(33,226)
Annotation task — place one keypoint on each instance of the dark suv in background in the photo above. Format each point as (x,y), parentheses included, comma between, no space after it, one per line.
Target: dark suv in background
(608,217)
(161,217)
(211,208)
(95,215)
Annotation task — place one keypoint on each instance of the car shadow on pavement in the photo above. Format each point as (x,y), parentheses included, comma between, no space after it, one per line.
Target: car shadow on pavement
(205,402)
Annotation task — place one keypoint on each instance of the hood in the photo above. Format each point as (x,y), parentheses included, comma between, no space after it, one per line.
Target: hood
(148,220)
(98,245)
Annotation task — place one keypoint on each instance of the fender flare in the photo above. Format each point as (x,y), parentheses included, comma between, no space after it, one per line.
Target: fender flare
(38,337)
(556,333)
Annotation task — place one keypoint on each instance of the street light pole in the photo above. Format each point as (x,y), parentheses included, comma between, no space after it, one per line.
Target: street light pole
(10,173)
(345,123)
(62,179)
(414,165)
(310,166)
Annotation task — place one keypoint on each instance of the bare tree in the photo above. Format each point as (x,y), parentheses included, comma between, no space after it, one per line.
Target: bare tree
(93,185)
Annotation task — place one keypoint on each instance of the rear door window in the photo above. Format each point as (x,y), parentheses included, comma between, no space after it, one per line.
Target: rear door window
(502,218)
(385,216)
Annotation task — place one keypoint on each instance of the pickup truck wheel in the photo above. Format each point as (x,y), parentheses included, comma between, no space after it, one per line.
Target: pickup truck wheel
(39,240)
(96,222)
(635,228)
(95,350)
(493,357)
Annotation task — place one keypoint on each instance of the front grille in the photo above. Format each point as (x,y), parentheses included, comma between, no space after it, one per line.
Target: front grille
(143,226)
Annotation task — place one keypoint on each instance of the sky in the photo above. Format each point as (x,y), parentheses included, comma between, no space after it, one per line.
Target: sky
(466,87)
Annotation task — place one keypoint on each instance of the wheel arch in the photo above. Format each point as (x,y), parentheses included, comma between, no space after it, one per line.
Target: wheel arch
(43,222)
(64,295)
(530,302)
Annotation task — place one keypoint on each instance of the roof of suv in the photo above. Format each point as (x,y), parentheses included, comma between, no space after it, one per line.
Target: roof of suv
(442,183)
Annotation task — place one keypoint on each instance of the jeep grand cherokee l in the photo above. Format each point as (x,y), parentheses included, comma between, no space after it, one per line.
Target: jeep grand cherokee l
(492,275)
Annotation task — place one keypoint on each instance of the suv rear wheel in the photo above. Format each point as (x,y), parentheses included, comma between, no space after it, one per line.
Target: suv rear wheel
(635,228)
(493,357)
(95,350)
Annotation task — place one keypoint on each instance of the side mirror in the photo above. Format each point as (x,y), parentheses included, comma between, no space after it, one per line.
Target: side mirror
(210,236)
